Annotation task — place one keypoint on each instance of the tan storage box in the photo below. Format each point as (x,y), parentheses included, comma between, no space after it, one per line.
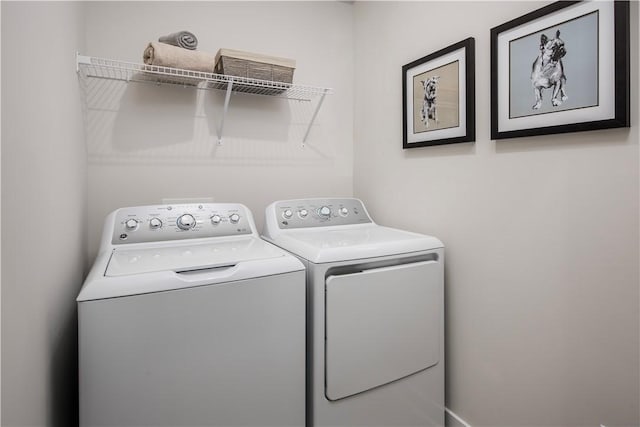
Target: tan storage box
(255,66)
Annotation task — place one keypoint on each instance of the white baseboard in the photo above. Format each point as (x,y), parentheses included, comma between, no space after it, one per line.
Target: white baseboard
(451,419)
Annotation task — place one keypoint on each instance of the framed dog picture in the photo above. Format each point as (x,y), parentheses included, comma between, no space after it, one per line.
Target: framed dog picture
(438,97)
(562,68)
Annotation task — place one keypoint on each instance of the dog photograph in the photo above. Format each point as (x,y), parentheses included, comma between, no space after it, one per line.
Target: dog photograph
(555,69)
(438,97)
(435,98)
(548,71)
(429,111)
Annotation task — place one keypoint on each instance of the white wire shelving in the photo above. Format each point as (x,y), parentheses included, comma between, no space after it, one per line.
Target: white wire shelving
(110,69)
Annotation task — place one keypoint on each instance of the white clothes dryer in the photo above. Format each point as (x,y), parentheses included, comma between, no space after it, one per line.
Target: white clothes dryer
(188,318)
(375,314)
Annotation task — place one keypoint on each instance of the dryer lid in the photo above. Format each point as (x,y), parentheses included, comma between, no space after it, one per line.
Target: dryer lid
(342,243)
(181,258)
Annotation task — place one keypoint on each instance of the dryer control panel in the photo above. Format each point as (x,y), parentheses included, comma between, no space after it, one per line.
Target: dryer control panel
(306,213)
(154,223)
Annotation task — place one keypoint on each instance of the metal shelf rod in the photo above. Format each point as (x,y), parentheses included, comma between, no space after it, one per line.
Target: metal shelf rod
(313,117)
(227,97)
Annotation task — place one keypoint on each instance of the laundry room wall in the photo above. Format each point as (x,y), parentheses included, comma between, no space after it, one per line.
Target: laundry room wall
(146,143)
(541,233)
(43,211)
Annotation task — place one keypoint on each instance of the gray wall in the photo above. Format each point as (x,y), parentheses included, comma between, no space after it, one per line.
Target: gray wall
(43,212)
(146,143)
(541,233)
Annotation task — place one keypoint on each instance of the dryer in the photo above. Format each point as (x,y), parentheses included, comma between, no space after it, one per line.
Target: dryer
(375,314)
(188,318)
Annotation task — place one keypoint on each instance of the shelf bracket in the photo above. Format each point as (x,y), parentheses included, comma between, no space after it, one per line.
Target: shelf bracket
(313,118)
(227,98)
(82,59)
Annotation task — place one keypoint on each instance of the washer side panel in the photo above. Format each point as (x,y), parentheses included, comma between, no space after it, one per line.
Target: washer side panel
(231,354)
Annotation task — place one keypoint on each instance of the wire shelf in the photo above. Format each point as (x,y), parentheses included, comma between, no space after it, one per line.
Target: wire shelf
(92,67)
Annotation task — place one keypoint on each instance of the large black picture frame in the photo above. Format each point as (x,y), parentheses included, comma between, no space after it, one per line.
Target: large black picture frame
(418,129)
(608,58)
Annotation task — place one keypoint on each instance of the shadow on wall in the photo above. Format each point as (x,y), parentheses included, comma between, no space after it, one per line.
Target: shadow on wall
(460,149)
(145,123)
(151,118)
(124,119)
(525,144)
(63,381)
(254,117)
(595,139)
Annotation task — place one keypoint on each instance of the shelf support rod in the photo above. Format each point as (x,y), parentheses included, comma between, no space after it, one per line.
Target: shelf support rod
(313,118)
(227,98)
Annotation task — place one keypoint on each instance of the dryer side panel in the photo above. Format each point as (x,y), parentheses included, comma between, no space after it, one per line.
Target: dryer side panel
(382,324)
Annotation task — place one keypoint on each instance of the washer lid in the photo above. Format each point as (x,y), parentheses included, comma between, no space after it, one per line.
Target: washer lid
(342,243)
(143,270)
(181,258)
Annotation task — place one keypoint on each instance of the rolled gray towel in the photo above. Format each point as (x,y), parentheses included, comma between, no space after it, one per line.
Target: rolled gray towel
(183,39)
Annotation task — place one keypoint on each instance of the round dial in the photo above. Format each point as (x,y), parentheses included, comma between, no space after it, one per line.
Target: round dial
(234,218)
(155,223)
(216,219)
(287,214)
(131,224)
(324,212)
(186,221)
(344,211)
(302,213)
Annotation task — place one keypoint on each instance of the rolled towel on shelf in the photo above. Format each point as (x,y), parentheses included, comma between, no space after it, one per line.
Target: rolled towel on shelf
(183,39)
(165,55)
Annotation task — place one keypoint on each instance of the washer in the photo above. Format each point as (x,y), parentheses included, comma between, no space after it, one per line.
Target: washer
(188,318)
(375,314)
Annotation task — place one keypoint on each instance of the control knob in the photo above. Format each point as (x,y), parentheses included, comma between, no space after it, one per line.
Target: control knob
(287,214)
(186,222)
(344,211)
(155,223)
(216,219)
(302,213)
(324,212)
(131,224)
(234,218)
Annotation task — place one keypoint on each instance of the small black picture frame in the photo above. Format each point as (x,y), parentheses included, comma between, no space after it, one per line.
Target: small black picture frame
(438,97)
(562,68)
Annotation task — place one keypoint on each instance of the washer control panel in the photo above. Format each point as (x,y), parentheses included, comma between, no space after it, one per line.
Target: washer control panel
(306,213)
(154,223)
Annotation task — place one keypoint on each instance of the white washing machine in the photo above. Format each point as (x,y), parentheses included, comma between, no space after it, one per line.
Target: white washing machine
(188,318)
(375,314)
